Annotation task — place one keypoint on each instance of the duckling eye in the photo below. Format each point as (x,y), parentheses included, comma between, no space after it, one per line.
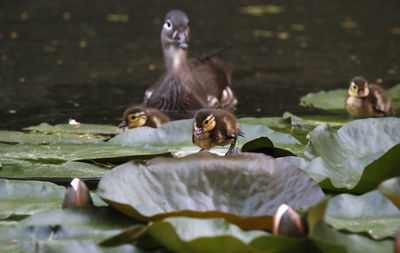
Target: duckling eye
(168,24)
(354,87)
(206,122)
(133,117)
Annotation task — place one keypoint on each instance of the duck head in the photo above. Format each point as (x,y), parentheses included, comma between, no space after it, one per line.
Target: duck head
(175,31)
(358,87)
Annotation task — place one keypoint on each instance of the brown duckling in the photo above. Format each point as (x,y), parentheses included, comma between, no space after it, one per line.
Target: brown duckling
(215,127)
(137,116)
(367,100)
(188,85)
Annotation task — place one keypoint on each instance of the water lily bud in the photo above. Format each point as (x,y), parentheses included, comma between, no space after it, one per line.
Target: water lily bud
(287,222)
(77,194)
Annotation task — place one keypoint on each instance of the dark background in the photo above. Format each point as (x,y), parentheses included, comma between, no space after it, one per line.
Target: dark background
(88,60)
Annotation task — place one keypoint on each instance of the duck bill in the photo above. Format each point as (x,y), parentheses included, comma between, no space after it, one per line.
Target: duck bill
(181,40)
(198,131)
(363,93)
(123,124)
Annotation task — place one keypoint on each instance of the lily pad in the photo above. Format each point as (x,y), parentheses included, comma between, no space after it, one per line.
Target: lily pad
(245,189)
(176,136)
(333,100)
(370,213)
(182,234)
(25,198)
(353,243)
(357,157)
(42,138)
(391,189)
(76,129)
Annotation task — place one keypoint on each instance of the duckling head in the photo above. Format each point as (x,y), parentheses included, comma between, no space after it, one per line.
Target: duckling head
(134,117)
(175,31)
(358,87)
(204,122)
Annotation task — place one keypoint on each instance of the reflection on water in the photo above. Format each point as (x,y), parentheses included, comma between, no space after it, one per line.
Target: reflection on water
(88,61)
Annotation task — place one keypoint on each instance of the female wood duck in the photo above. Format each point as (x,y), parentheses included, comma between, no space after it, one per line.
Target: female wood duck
(367,100)
(188,85)
(137,116)
(215,127)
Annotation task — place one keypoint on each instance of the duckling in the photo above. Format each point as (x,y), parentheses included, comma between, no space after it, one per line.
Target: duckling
(367,100)
(215,127)
(188,85)
(137,116)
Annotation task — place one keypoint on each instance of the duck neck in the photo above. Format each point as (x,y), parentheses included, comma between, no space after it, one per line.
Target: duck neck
(175,60)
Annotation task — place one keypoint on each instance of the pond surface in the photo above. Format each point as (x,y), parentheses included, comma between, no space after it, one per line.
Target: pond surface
(89,60)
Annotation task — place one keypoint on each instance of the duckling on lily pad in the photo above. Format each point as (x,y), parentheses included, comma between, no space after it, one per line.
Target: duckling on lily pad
(215,127)
(367,100)
(137,116)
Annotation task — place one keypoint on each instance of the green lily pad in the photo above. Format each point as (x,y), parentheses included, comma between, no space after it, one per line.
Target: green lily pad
(75,129)
(176,136)
(181,234)
(311,121)
(42,138)
(354,243)
(357,157)
(245,189)
(47,168)
(333,100)
(391,189)
(370,213)
(63,152)
(25,198)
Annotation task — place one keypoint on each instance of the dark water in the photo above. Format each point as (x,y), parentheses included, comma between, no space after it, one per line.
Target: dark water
(88,60)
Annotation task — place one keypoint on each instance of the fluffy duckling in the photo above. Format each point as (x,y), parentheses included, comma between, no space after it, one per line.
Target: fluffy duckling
(137,116)
(367,100)
(188,85)
(215,127)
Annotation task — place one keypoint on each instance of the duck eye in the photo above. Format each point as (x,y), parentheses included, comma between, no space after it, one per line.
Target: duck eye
(354,87)
(206,122)
(133,117)
(168,24)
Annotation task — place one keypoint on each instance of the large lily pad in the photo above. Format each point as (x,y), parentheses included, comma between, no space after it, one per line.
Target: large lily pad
(391,189)
(354,243)
(370,213)
(333,100)
(357,157)
(25,198)
(182,234)
(246,189)
(176,136)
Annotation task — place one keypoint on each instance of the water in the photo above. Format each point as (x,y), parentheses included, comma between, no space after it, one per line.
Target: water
(89,60)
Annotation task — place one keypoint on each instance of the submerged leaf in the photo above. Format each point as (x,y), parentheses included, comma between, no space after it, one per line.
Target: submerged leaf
(357,157)
(370,213)
(79,128)
(245,189)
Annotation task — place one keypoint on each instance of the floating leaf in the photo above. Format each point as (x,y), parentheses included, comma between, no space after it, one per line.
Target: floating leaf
(354,243)
(370,213)
(77,129)
(391,189)
(333,100)
(25,198)
(42,138)
(357,157)
(181,234)
(176,136)
(245,189)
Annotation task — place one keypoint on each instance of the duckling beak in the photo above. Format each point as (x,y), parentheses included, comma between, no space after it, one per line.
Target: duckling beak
(123,124)
(181,40)
(361,93)
(198,131)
